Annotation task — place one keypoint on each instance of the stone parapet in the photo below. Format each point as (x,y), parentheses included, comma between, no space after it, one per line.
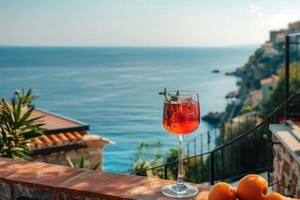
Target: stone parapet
(36,180)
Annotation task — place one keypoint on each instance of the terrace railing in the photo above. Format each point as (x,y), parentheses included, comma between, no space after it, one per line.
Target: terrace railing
(203,142)
(292,66)
(249,152)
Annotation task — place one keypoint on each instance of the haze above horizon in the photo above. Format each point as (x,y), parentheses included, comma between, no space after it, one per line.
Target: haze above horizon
(141,23)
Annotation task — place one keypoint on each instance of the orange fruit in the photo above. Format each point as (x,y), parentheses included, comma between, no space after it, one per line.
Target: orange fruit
(222,191)
(252,187)
(274,196)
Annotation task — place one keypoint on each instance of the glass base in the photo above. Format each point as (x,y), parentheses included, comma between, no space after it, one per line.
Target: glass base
(179,190)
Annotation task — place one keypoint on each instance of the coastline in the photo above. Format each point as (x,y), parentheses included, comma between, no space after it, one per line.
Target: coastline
(258,72)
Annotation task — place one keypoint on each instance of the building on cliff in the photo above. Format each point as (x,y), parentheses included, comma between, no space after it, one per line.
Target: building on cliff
(294,27)
(277,36)
(64,137)
(254,98)
(269,50)
(267,86)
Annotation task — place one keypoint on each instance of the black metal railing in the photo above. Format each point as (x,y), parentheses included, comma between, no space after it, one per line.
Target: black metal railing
(249,152)
(203,142)
(210,139)
(292,66)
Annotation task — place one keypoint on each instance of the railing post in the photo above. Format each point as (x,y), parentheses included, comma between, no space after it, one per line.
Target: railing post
(201,144)
(215,138)
(195,148)
(165,172)
(287,74)
(268,156)
(212,168)
(222,163)
(208,140)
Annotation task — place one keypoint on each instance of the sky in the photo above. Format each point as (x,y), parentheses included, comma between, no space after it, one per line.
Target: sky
(195,23)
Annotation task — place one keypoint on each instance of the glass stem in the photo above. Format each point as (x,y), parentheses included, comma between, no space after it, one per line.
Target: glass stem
(180,176)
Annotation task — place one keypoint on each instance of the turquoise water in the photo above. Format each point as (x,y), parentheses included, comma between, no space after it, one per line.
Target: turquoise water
(115,89)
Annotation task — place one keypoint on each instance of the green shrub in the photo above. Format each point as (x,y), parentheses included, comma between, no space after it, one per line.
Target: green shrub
(277,96)
(17,126)
(195,169)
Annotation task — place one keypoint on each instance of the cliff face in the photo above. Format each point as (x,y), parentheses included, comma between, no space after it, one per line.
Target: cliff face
(264,63)
(259,66)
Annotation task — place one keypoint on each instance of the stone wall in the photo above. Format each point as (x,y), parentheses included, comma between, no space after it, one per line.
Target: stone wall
(92,152)
(286,171)
(21,180)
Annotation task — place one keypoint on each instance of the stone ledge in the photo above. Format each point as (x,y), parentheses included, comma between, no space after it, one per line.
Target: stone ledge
(288,134)
(46,181)
(286,163)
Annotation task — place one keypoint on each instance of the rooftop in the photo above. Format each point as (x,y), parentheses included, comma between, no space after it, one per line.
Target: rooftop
(54,121)
(269,80)
(60,131)
(61,134)
(56,139)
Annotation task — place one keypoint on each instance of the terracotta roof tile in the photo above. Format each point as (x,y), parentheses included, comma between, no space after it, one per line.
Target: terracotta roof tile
(71,137)
(77,135)
(60,131)
(37,143)
(63,138)
(269,80)
(47,142)
(56,139)
(266,81)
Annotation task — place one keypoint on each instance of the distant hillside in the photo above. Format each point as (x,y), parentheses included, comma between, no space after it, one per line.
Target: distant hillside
(259,66)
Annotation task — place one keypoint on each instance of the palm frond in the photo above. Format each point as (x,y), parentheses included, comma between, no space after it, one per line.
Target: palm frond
(16,125)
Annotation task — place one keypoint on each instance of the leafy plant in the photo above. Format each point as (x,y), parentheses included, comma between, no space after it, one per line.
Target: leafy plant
(247,108)
(82,163)
(17,126)
(277,96)
(146,158)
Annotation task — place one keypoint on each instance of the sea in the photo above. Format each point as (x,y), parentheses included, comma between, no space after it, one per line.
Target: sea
(115,89)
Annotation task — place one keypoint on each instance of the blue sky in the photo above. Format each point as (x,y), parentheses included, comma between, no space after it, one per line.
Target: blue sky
(142,22)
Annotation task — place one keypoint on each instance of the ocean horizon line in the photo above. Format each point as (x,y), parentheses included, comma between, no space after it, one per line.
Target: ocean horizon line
(253,45)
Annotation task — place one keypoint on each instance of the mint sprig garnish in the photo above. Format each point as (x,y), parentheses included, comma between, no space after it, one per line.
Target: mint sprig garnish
(170,98)
(165,94)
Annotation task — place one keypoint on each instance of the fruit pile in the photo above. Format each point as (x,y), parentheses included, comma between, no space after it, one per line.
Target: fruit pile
(251,187)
